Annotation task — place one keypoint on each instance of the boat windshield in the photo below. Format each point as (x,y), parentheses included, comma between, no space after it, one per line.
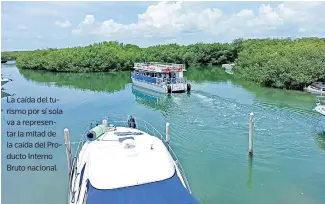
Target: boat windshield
(169,191)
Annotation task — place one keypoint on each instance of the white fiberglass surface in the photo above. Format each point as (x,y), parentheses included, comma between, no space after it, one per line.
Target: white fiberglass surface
(113,165)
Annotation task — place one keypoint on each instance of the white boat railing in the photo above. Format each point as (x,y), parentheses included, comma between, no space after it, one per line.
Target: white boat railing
(158,67)
(118,121)
(165,81)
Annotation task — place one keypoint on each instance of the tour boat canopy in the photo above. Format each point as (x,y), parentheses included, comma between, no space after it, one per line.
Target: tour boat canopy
(159,67)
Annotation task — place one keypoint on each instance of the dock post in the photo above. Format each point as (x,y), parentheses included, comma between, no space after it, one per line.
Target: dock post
(250,134)
(68,148)
(167,134)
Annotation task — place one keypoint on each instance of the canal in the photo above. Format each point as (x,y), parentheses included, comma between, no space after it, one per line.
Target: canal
(209,133)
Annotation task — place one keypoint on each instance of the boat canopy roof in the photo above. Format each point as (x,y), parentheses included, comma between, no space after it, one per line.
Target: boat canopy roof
(169,191)
(160,67)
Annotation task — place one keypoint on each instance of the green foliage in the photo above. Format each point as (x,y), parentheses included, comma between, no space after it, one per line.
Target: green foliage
(114,56)
(11,55)
(282,63)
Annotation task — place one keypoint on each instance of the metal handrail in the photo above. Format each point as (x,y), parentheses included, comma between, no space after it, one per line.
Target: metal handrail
(143,125)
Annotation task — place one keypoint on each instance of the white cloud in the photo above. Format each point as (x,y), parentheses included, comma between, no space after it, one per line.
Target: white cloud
(22,27)
(172,20)
(9,40)
(63,24)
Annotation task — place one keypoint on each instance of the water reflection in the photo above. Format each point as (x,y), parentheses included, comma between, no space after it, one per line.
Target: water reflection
(320,140)
(98,82)
(151,99)
(320,136)
(265,96)
(111,82)
(250,167)
(207,74)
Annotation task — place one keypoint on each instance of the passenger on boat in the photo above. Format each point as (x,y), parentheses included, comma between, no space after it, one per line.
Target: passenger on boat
(131,122)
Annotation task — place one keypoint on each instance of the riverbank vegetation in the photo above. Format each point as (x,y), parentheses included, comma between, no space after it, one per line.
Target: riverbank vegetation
(112,56)
(280,63)
(10,56)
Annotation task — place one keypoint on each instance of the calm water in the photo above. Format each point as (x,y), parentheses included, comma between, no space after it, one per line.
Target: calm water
(209,130)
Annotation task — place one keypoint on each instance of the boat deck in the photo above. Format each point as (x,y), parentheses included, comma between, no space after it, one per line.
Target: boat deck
(131,157)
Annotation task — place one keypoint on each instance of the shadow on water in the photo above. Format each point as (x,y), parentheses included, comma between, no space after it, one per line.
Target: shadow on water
(98,82)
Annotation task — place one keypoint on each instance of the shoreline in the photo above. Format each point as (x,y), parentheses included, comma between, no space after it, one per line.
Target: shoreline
(276,63)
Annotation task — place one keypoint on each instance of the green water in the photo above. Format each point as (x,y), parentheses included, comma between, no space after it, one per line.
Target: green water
(209,130)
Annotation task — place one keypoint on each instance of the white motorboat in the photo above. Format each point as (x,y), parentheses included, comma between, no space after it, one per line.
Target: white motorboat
(160,77)
(228,68)
(320,105)
(316,87)
(5,80)
(127,161)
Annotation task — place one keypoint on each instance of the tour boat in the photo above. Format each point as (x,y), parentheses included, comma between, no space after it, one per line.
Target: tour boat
(164,78)
(4,80)
(316,87)
(320,106)
(125,161)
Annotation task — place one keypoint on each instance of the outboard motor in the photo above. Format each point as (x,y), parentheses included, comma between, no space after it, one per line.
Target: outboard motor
(188,88)
(131,122)
(169,89)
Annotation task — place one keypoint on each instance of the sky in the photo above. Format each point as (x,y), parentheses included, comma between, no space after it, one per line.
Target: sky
(42,25)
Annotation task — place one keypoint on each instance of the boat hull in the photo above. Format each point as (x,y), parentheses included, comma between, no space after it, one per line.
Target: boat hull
(110,177)
(320,109)
(149,86)
(3,82)
(312,90)
(176,88)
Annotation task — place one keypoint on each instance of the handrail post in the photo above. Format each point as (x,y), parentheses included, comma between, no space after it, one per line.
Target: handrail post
(68,147)
(167,135)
